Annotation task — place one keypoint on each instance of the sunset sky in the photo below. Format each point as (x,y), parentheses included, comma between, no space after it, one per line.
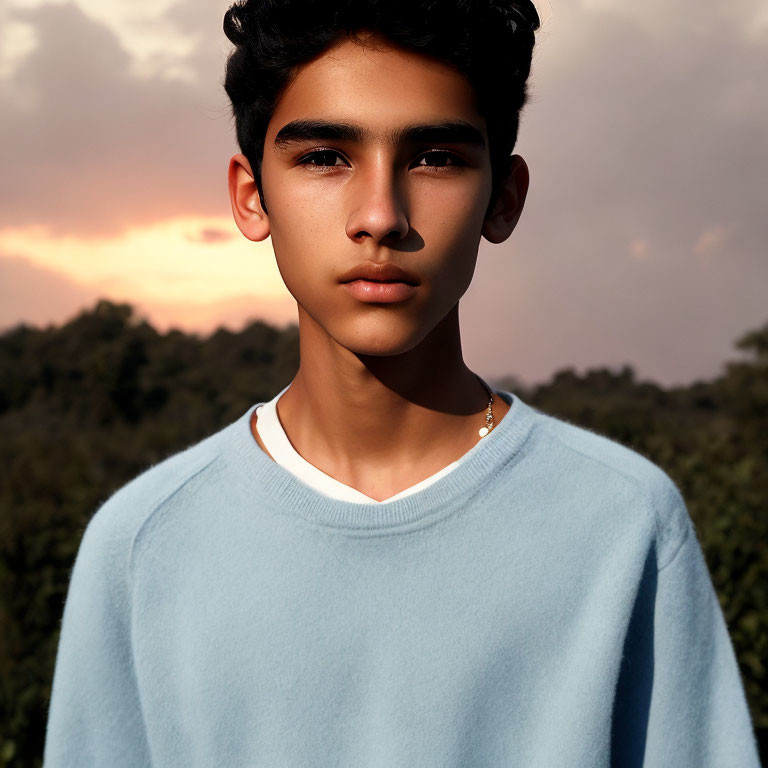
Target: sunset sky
(645,235)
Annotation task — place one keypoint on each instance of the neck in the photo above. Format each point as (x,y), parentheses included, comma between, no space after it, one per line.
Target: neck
(377,423)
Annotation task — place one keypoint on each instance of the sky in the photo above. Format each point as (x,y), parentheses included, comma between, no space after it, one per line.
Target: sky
(642,243)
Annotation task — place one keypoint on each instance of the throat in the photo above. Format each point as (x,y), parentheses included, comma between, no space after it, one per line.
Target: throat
(381,453)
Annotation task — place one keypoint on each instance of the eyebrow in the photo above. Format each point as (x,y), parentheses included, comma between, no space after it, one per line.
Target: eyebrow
(451,132)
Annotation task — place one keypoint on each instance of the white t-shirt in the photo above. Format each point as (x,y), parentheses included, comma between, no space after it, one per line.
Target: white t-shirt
(279,446)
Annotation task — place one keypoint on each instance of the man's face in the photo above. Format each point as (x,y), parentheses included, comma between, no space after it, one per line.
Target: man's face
(376,155)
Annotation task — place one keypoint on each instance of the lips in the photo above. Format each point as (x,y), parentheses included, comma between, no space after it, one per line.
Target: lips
(385,272)
(383,283)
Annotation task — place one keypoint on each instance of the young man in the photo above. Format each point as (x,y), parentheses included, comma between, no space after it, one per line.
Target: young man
(389,565)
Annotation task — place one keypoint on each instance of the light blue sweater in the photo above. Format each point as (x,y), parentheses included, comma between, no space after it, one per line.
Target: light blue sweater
(546,604)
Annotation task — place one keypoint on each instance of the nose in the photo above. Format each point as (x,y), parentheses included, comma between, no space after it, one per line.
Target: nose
(378,207)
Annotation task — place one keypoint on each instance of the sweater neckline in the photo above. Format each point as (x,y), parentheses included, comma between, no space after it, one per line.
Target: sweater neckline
(265,480)
(282,451)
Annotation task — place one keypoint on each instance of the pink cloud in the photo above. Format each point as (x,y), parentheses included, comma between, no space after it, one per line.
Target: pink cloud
(96,149)
(211,236)
(39,296)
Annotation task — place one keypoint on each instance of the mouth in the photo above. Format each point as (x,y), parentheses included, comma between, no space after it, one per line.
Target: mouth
(379,292)
(379,283)
(383,273)
(385,282)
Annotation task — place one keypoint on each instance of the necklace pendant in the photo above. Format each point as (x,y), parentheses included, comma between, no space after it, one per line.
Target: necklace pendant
(483,431)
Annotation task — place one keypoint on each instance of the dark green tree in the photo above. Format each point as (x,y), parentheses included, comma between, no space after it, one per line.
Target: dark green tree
(86,406)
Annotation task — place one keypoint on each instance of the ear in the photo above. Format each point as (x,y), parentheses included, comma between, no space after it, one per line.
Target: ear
(503,215)
(250,217)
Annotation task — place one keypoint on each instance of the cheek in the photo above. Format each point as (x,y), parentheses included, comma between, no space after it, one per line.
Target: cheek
(293,217)
(297,213)
(294,260)
(299,229)
(451,210)
(453,229)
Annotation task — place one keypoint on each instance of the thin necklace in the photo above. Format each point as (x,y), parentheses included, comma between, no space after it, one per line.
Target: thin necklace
(483,431)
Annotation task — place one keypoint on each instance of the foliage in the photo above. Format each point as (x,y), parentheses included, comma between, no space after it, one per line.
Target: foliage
(88,405)
(712,439)
(83,408)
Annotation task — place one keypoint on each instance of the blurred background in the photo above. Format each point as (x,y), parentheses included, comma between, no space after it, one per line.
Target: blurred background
(135,319)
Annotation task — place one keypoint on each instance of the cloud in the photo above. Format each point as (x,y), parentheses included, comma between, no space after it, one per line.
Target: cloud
(210,236)
(231,313)
(645,137)
(40,296)
(710,241)
(639,248)
(647,127)
(89,147)
(167,261)
(43,296)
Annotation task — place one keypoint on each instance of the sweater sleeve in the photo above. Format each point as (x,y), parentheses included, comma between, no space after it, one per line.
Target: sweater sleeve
(698,712)
(95,716)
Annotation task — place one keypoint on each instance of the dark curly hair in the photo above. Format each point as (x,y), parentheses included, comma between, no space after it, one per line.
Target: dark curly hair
(489,41)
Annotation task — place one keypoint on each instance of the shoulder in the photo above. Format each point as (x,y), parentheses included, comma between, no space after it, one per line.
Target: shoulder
(112,530)
(607,466)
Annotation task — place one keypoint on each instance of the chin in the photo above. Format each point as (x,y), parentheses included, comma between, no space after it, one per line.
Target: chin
(382,342)
(381,348)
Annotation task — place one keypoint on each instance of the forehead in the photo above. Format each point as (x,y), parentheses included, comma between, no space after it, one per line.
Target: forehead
(377,85)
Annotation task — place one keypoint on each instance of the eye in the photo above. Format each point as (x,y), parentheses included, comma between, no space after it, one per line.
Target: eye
(322,158)
(439,158)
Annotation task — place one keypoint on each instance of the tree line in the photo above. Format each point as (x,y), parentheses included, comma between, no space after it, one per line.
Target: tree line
(87,405)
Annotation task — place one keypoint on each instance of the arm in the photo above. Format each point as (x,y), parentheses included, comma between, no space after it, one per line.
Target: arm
(95,716)
(698,713)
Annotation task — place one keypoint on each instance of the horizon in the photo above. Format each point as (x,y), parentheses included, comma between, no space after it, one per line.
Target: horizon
(642,242)
(203,334)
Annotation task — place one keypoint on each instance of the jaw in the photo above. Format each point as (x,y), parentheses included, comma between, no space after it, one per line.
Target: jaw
(390,347)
